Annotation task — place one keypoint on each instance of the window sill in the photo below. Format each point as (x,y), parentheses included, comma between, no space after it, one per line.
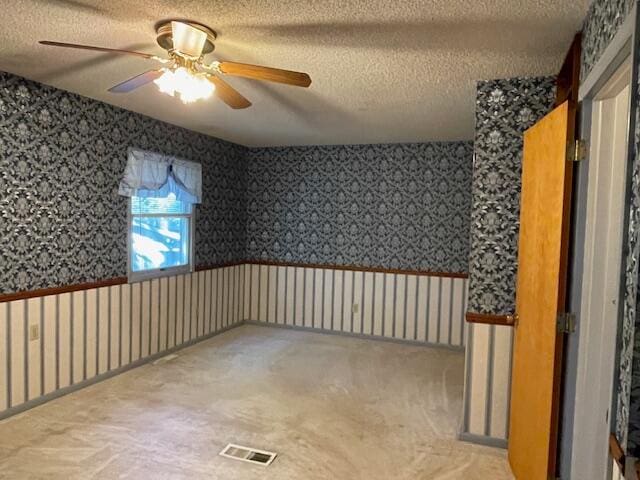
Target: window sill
(136,277)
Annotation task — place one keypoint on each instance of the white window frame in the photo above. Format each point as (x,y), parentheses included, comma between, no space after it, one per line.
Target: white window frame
(159,272)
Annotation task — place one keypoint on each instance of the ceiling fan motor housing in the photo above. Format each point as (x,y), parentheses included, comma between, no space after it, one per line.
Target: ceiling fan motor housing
(164,35)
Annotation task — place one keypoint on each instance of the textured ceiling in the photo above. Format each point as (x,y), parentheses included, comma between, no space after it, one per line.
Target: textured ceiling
(383,71)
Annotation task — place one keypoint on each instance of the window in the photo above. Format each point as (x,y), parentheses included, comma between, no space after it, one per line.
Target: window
(160,236)
(162,192)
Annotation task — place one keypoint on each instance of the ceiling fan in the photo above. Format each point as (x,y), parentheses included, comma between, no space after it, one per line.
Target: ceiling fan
(186,73)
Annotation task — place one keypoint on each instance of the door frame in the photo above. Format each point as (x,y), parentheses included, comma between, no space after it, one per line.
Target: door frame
(619,50)
(596,354)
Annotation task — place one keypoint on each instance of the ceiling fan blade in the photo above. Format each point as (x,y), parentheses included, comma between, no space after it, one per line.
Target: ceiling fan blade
(98,49)
(137,81)
(257,72)
(228,94)
(187,39)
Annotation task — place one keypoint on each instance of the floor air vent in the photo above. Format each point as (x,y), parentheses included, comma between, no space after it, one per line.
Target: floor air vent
(247,454)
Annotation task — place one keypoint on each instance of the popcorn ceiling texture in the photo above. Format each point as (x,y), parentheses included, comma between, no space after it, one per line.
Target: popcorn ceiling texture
(383,72)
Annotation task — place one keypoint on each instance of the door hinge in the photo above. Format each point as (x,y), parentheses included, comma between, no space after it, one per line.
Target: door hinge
(566,322)
(577,151)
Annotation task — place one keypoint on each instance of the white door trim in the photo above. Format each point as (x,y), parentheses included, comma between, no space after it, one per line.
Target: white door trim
(601,276)
(618,49)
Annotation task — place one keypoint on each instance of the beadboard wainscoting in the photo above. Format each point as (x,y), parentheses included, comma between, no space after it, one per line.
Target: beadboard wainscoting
(488,384)
(428,309)
(85,336)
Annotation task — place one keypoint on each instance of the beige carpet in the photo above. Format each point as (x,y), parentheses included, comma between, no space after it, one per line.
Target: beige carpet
(332,407)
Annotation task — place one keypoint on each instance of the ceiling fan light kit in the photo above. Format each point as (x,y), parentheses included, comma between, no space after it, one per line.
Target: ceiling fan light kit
(186,74)
(189,86)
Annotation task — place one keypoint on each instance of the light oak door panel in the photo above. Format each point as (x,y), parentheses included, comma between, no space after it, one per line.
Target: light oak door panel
(540,295)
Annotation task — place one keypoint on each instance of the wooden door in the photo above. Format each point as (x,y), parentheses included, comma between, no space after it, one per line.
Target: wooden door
(540,295)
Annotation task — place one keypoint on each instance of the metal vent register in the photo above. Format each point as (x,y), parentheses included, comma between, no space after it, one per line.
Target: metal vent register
(248,454)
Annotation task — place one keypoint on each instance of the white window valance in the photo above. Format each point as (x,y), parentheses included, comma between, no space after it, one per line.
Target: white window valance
(150,174)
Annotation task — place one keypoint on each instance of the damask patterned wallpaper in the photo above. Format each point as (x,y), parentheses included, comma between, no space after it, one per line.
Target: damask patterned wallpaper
(62,221)
(628,385)
(61,159)
(504,110)
(601,24)
(391,206)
